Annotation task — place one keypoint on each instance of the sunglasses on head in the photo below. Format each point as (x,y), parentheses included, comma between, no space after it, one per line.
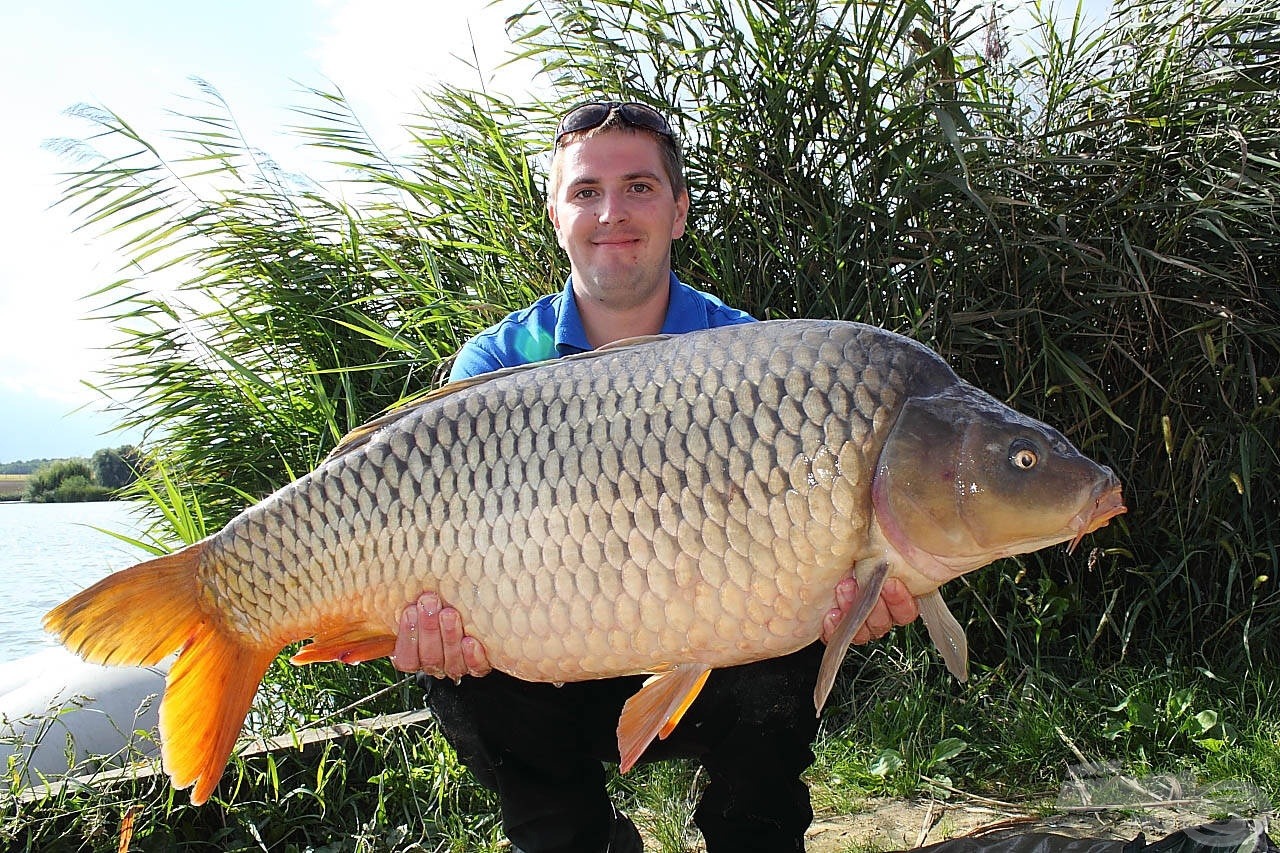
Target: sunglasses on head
(596,113)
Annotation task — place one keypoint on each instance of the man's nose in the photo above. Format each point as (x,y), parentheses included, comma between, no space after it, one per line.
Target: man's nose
(613,207)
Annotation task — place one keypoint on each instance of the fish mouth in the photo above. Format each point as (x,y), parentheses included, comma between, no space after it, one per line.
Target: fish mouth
(1106,504)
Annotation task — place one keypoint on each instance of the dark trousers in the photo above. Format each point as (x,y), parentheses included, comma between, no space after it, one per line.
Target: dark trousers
(540,747)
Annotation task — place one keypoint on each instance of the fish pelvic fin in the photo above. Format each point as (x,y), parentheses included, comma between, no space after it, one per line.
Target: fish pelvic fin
(946,634)
(838,646)
(134,617)
(349,643)
(207,696)
(656,709)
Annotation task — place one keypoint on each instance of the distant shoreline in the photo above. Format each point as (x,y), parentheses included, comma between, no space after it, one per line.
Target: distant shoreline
(12,487)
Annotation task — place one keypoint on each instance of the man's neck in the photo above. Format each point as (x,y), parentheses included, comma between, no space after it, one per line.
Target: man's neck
(605,323)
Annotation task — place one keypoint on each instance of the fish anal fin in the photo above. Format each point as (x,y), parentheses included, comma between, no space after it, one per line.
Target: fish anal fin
(209,690)
(351,643)
(946,634)
(656,709)
(838,645)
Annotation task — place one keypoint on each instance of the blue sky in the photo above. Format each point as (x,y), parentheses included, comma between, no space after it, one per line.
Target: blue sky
(129,57)
(136,58)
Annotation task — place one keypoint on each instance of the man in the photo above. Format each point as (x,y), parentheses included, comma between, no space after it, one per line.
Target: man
(616,196)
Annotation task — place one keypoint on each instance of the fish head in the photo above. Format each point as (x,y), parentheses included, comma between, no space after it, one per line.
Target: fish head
(963,480)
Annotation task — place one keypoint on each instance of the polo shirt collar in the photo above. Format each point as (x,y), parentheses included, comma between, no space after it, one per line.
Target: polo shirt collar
(686,310)
(685,313)
(571,337)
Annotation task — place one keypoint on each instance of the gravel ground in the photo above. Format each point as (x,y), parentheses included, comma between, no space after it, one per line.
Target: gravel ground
(1095,805)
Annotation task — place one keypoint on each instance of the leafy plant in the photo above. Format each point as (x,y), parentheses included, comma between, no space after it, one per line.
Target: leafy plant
(1088,231)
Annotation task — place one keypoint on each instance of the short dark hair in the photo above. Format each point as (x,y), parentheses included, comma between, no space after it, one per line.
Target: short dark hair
(672,159)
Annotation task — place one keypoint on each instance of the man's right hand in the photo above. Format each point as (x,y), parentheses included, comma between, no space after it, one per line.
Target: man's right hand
(432,639)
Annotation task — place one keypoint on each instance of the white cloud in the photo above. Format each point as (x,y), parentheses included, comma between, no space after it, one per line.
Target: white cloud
(383,53)
(47,347)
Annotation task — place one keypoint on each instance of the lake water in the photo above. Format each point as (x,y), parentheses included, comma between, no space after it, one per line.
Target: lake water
(49,552)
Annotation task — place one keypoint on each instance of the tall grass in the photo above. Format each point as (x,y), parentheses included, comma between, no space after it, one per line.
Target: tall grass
(1087,230)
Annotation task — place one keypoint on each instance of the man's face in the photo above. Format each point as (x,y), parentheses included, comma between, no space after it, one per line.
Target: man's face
(615,216)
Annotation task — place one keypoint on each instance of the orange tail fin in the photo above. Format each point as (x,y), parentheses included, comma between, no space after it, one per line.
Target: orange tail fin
(135,617)
(140,615)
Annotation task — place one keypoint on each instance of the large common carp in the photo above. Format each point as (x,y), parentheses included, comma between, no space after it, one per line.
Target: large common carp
(665,506)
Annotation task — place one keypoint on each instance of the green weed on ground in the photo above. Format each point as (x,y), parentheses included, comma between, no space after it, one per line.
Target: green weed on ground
(900,728)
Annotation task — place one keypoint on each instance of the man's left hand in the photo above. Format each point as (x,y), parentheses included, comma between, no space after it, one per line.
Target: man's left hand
(896,606)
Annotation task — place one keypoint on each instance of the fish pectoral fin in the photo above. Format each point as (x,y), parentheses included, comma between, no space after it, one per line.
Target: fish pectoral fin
(838,647)
(946,634)
(352,643)
(868,593)
(656,709)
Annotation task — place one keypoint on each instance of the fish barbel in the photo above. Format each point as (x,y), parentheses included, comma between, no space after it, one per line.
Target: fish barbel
(663,506)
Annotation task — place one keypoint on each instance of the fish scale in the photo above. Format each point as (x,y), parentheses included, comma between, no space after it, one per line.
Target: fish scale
(664,506)
(493,535)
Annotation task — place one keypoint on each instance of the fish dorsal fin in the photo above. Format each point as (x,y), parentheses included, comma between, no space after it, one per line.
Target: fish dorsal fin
(656,709)
(360,436)
(626,343)
(838,646)
(946,634)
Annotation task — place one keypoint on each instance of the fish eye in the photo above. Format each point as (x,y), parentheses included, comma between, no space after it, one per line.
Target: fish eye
(1023,456)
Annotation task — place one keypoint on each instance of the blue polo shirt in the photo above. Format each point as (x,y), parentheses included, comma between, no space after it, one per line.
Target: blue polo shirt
(552,327)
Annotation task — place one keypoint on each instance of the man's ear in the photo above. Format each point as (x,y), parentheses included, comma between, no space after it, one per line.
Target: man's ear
(682,215)
(555,221)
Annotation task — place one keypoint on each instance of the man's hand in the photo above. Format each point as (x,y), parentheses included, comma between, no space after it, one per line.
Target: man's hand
(896,607)
(432,640)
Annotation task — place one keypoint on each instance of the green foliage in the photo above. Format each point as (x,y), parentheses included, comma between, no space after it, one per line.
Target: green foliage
(1088,232)
(65,481)
(898,724)
(26,466)
(304,315)
(396,790)
(115,468)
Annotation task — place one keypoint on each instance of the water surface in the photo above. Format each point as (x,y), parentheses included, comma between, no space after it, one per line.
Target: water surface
(49,552)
